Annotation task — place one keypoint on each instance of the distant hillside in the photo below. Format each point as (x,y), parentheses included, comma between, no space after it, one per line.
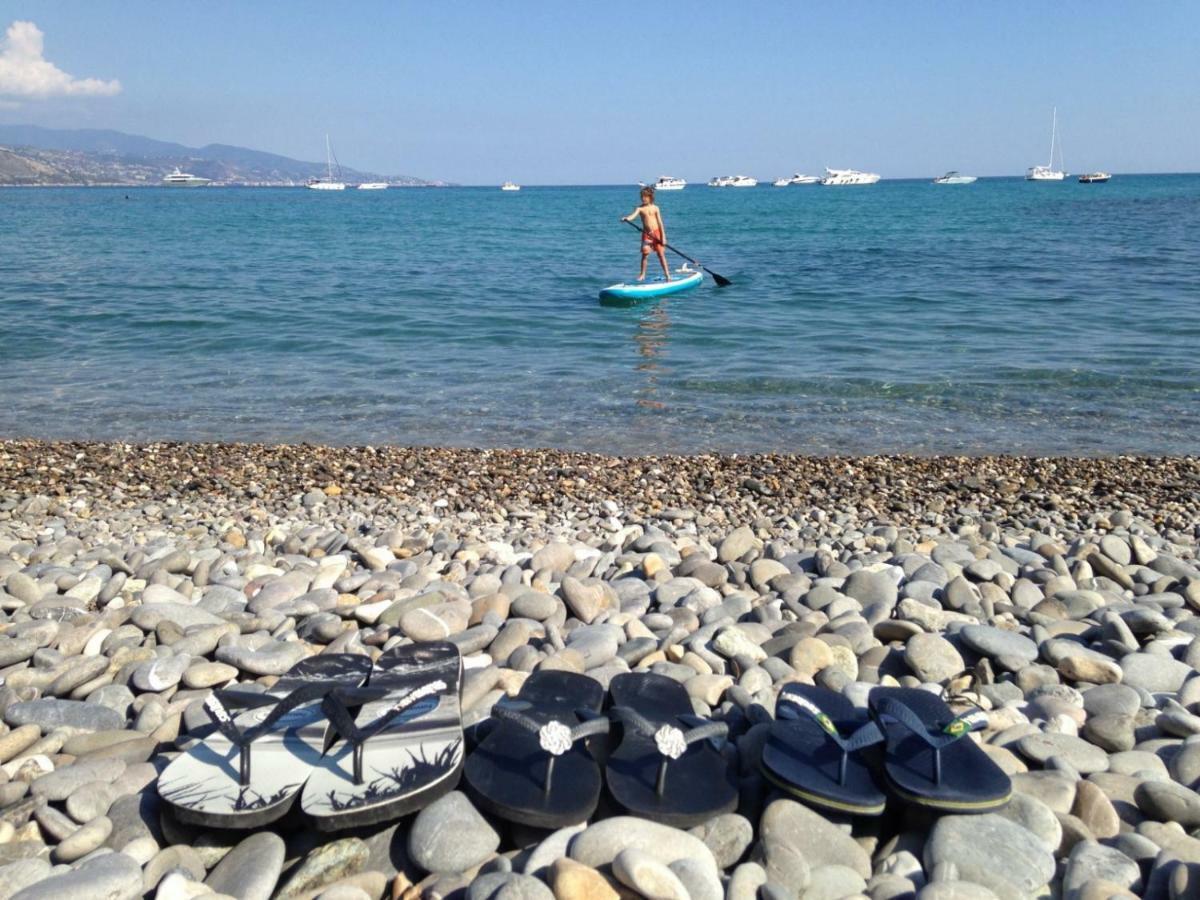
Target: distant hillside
(30,155)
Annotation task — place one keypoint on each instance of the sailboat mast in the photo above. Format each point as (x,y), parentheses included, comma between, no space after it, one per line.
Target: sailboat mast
(1053,132)
(329,157)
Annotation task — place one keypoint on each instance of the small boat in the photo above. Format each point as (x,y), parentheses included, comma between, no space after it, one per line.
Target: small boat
(328,183)
(955,178)
(373,186)
(1094,178)
(743,181)
(721,181)
(624,294)
(805,179)
(510,186)
(1048,172)
(781,182)
(837,177)
(184,179)
(668,183)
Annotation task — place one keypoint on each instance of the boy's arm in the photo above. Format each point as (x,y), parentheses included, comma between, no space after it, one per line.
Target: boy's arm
(633,215)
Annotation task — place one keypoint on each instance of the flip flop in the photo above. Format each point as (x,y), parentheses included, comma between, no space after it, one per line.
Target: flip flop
(250,769)
(659,770)
(534,766)
(402,750)
(929,760)
(807,755)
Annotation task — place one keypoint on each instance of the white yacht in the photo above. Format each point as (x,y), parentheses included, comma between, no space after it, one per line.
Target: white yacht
(743,181)
(510,186)
(721,181)
(835,177)
(781,182)
(328,183)
(184,179)
(1048,172)
(1094,178)
(668,183)
(955,178)
(373,186)
(805,179)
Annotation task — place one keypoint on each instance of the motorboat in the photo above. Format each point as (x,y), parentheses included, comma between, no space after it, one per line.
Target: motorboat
(667,183)
(781,182)
(510,186)
(1094,178)
(743,181)
(184,179)
(838,177)
(329,183)
(721,181)
(805,179)
(373,186)
(955,178)
(1048,172)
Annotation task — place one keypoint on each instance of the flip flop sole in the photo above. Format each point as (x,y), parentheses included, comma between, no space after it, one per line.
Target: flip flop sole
(697,786)
(971,781)
(202,786)
(506,772)
(409,763)
(800,757)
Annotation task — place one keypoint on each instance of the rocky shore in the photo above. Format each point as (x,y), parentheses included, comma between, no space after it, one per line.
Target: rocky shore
(1059,595)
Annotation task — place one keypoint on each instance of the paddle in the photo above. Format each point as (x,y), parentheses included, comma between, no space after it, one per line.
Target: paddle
(721,280)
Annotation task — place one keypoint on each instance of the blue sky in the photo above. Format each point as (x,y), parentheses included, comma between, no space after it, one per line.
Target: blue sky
(613,92)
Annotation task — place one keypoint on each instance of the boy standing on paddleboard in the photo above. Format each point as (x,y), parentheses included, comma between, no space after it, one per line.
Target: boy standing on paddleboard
(654,233)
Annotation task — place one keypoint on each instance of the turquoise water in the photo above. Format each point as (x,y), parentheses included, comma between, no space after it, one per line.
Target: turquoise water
(1000,317)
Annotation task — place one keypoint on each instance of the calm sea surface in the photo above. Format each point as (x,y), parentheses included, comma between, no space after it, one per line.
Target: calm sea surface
(1000,317)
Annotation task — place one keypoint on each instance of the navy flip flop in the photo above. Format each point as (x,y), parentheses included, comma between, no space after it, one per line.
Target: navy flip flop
(534,766)
(668,766)
(814,751)
(930,759)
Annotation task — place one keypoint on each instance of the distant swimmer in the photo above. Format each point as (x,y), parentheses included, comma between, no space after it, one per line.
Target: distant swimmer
(654,232)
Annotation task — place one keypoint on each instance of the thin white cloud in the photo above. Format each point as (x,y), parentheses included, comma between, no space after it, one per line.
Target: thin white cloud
(26,73)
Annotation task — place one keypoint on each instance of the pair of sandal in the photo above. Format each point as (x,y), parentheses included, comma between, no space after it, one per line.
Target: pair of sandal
(357,743)
(535,767)
(819,749)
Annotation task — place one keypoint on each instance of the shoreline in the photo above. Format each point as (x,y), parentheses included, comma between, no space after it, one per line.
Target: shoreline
(895,488)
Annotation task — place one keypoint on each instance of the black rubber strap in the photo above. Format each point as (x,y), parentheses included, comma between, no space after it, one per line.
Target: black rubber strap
(670,740)
(219,704)
(554,737)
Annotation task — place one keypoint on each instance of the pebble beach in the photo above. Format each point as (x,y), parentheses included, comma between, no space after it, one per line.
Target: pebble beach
(1059,595)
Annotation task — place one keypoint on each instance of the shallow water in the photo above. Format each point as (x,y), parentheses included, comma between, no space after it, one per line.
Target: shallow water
(1003,316)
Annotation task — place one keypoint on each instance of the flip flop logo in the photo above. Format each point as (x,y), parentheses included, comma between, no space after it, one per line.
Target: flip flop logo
(555,738)
(670,742)
(827,723)
(963,724)
(216,709)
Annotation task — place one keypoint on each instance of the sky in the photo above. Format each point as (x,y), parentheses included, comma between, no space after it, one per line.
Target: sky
(554,92)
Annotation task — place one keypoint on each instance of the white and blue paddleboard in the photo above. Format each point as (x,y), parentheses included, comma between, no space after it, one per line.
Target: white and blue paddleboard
(626,294)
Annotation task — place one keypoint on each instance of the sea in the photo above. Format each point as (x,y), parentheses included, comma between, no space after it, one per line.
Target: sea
(904,317)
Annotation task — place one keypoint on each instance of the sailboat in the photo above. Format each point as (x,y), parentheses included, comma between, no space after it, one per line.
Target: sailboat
(328,184)
(1048,172)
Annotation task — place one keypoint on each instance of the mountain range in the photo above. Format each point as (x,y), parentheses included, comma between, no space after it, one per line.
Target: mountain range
(31,155)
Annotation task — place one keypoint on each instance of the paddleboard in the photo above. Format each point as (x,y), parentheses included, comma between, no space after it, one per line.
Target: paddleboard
(626,294)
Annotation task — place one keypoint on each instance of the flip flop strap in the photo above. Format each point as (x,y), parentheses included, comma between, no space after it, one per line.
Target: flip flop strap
(555,737)
(935,735)
(671,740)
(412,705)
(219,703)
(789,709)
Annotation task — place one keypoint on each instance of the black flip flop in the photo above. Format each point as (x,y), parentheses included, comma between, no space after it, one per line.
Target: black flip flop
(930,761)
(250,769)
(806,754)
(402,750)
(659,770)
(534,766)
